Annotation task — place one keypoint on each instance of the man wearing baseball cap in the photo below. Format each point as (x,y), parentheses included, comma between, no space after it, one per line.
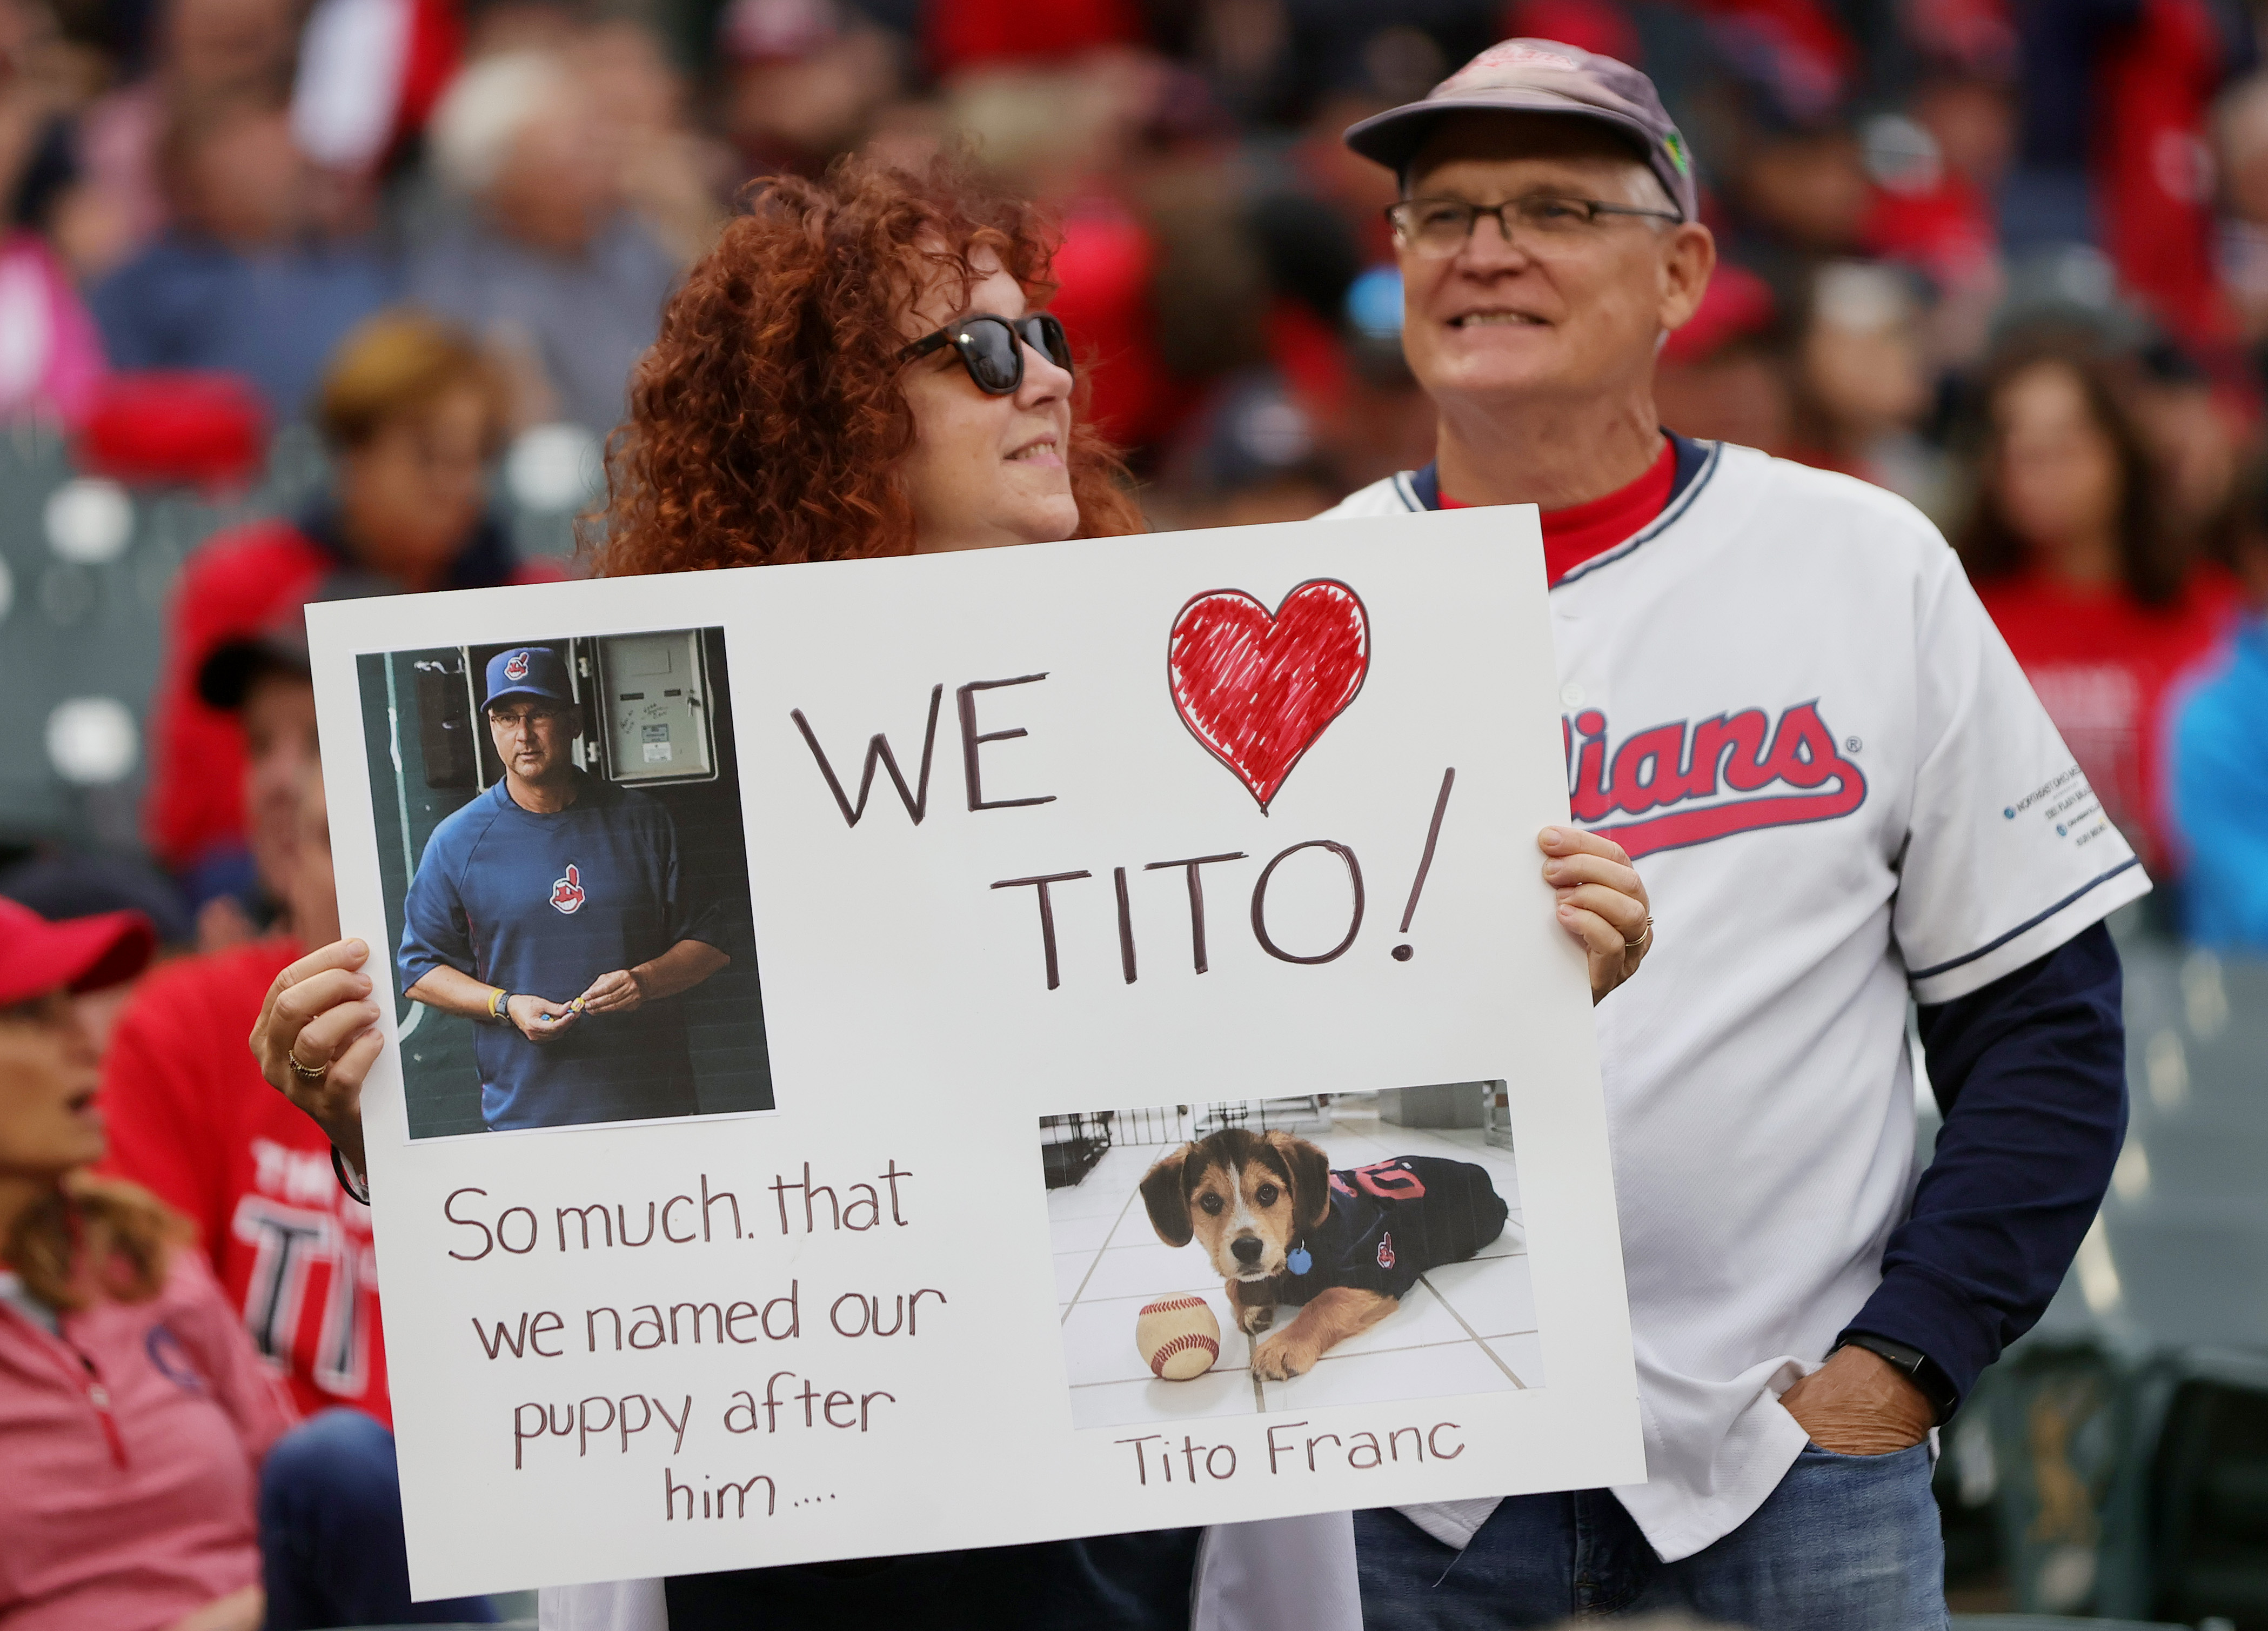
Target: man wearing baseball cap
(551,911)
(1785,704)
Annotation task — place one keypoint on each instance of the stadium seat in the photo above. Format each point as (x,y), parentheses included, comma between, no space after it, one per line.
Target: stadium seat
(2127,1455)
(87,567)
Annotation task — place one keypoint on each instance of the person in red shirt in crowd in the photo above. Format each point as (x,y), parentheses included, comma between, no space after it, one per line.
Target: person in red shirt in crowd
(2070,555)
(194,1121)
(135,1411)
(2157,73)
(413,413)
(959,36)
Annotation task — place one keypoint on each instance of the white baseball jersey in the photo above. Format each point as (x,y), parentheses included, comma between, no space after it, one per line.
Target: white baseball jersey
(1783,699)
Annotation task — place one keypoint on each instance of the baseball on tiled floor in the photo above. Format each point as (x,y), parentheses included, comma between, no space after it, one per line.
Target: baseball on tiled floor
(1349,1248)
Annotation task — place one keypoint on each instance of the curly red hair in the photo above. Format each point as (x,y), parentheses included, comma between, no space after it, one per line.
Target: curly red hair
(767,421)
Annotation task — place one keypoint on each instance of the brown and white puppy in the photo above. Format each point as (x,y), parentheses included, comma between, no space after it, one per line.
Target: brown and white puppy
(1247,1197)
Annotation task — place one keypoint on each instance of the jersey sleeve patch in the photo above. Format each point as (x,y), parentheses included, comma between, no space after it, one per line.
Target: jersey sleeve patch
(2008,851)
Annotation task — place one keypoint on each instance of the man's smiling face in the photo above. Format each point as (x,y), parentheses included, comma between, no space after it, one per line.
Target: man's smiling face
(1572,314)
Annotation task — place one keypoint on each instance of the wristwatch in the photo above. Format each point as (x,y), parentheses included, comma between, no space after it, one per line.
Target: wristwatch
(498,1003)
(1916,1366)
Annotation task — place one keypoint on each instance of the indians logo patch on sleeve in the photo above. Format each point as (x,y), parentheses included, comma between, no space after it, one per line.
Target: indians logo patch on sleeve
(1710,779)
(1386,1251)
(567,892)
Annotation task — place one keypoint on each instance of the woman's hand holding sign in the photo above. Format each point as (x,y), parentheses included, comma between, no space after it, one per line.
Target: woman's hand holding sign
(317,1037)
(1601,902)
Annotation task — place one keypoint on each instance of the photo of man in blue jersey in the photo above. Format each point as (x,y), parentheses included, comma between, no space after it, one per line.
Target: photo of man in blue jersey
(552,912)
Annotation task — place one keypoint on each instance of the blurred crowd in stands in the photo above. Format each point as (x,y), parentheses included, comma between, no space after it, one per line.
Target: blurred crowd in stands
(2005,258)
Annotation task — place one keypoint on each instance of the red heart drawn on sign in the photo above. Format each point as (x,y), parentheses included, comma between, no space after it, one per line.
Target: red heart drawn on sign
(1257,689)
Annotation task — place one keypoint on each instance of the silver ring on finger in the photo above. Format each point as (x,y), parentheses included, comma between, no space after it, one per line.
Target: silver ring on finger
(304,1073)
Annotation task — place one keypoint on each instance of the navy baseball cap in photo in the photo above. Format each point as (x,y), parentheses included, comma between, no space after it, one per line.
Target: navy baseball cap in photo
(527,671)
(1540,76)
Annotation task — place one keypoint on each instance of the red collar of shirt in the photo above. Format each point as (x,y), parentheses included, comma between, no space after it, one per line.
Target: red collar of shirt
(1574,535)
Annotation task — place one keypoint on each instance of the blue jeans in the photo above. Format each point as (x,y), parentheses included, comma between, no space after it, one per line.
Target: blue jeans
(1845,1542)
(330,1532)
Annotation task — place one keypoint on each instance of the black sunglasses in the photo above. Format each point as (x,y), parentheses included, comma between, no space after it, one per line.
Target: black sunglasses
(993,347)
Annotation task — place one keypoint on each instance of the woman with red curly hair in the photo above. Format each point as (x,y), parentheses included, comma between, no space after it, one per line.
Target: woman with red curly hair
(855,369)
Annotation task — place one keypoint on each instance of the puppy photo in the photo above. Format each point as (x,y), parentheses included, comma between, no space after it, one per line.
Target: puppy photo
(1280,1226)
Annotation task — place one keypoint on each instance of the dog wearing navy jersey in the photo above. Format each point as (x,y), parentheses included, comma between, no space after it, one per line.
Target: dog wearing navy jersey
(1280,1226)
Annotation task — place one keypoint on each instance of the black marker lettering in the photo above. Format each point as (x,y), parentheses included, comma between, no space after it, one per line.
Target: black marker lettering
(1197,898)
(1047,911)
(971,739)
(877,751)
(488,1240)
(1260,902)
(1125,925)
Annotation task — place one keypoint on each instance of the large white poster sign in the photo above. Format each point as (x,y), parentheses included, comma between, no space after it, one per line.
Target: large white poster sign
(986,1048)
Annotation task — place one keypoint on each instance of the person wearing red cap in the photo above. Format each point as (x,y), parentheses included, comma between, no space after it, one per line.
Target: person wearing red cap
(1785,701)
(134,1409)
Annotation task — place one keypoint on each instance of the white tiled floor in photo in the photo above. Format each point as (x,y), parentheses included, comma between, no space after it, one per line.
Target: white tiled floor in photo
(1465,1328)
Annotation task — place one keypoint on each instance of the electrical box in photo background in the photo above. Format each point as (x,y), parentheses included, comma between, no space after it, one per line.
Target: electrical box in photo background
(654,707)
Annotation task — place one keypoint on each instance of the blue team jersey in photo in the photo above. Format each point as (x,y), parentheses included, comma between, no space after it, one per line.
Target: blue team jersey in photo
(542,906)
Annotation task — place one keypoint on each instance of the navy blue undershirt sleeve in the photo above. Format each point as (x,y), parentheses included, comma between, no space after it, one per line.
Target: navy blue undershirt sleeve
(2030,1072)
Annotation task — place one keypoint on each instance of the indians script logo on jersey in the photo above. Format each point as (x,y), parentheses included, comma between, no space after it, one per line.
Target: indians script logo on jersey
(1740,770)
(515,667)
(567,892)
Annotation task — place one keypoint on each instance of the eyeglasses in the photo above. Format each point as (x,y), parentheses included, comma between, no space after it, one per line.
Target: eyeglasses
(993,347)
(513,719)
(1436,228)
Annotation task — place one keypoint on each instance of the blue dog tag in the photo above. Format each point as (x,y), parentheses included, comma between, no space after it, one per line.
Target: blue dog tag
(1298,1260)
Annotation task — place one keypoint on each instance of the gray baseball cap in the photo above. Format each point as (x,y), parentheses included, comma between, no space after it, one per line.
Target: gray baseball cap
(1540,76)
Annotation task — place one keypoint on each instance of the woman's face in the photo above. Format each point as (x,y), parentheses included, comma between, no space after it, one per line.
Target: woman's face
(984,470)
(48,1074)
(2059,477)
(414,490)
